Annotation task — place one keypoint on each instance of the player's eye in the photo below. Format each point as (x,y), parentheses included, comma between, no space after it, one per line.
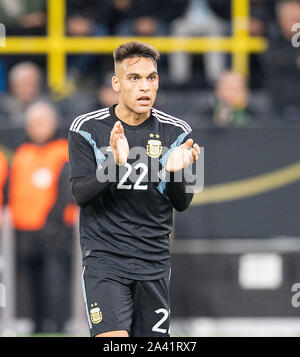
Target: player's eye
(133,78)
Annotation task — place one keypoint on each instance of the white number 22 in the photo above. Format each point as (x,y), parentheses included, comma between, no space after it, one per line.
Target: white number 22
(137,185)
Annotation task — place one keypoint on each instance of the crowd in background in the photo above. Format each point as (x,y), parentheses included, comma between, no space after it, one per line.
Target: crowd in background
(271,91)
(200,89)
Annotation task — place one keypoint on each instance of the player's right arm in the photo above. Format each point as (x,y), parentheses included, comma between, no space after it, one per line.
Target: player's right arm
(84,163)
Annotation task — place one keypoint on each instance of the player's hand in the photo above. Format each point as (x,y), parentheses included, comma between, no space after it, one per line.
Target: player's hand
(183,156)
(119,144)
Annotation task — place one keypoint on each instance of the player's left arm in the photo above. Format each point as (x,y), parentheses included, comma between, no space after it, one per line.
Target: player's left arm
(181,159)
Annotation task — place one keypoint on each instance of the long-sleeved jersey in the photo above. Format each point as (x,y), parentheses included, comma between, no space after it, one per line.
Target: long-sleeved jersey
(125,223)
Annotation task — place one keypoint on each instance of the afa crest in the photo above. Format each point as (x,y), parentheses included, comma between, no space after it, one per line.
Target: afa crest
(95,314)
(154,147)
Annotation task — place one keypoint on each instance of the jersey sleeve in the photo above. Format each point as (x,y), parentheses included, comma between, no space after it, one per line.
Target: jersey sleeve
(176,191)
(85,159)
(81,155)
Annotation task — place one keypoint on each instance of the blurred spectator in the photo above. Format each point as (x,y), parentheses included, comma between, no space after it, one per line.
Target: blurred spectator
(232,101)
(261,18)
(71,106)
(25,88)
(233,106)
(87,101)
(27,17)
(21,18)
(105,95)
(84,19)
(114,17)
(282,63)
(112,12)
(3,177)
(149,18)
(41,206)
(198,20)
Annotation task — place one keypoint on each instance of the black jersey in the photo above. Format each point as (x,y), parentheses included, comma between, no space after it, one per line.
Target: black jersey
(125,231)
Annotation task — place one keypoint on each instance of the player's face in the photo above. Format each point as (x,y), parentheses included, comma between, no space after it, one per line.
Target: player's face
(136,80)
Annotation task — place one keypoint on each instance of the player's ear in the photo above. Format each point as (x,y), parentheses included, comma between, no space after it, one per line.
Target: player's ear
(115,84)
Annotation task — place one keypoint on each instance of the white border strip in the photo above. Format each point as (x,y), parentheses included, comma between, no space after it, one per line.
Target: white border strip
(235,327)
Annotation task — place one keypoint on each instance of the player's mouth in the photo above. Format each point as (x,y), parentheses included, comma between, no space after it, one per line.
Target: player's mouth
(144,100)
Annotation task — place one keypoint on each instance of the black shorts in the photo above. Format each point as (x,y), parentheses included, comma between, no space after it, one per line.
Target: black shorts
(113,303)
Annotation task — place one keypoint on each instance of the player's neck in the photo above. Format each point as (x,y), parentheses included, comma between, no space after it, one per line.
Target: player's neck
(129,117)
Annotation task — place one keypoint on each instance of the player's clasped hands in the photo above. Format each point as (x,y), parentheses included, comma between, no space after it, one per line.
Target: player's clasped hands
(119,144)
(183,156)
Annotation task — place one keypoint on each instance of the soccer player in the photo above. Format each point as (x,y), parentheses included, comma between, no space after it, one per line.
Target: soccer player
(125,216)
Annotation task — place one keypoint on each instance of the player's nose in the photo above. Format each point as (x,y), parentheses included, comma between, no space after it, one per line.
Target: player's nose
(144,84)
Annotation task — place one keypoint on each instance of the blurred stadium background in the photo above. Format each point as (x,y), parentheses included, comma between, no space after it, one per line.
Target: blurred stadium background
(231,69)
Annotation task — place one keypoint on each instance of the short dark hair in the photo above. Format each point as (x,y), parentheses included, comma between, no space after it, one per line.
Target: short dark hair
(135,49)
